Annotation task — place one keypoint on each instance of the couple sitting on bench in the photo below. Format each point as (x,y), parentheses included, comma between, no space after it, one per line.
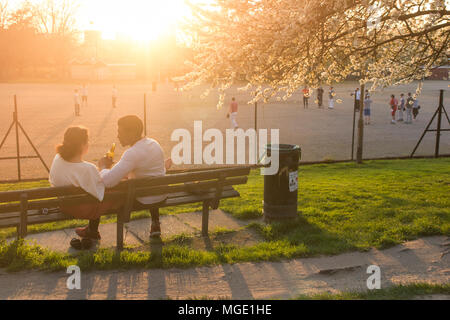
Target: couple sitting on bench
(144,158)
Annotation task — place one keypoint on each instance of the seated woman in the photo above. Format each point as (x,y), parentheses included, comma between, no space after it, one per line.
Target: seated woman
(69,169)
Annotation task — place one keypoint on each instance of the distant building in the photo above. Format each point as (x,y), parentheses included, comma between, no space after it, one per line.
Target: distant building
(440,73)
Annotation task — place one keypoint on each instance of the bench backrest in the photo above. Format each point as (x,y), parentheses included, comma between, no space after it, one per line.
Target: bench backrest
(199,181)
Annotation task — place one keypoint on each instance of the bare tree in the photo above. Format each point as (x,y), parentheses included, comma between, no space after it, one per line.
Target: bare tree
(56,16)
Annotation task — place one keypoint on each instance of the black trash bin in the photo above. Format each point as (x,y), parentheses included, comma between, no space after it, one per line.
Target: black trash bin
(280,189)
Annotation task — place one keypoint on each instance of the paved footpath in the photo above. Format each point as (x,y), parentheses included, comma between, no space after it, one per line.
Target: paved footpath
(426,259)
(137,231)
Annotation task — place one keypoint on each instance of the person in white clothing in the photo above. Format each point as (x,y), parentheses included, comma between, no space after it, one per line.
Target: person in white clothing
(331,95)
(76,100)
(144,158)
(114,97)
(232,113)
(69,169)
(84,95)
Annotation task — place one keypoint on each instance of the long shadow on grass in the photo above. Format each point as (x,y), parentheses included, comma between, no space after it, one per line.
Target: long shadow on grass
(301,232)
(56,129)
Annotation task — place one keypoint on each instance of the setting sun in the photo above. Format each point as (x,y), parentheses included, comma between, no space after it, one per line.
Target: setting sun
(140,20)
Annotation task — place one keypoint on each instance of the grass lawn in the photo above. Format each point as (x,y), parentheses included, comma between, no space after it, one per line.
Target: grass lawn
(397,292)
(341,207)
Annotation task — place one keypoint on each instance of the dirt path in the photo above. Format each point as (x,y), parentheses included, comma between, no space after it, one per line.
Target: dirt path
(424,260)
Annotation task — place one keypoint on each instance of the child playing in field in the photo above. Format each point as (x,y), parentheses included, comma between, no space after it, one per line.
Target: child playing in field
(409,106)
(76,98)
(232,113)
(367,105)
(114,97)
(84,95)
(393,103)
(415,108)
(331,97)
(401,107)
(306,95)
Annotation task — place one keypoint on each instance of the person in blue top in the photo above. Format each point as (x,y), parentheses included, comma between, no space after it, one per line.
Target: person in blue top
(409,106)
(401,108)
(367,105)
(416,107)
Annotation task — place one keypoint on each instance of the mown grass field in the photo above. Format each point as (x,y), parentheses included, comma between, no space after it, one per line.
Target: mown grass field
(342,207)
(397,292)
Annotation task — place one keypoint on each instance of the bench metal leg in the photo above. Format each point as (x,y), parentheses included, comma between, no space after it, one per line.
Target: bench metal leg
(23,216)
(205,218)
(119,232)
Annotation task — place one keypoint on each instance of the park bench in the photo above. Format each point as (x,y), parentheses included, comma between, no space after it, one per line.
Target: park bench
(21,208)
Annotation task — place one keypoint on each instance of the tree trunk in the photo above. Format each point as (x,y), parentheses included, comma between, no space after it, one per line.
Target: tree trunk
(359,150)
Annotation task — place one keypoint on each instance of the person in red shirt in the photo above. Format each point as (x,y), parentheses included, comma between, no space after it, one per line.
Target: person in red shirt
(394,104)
(232,113)
(305,92)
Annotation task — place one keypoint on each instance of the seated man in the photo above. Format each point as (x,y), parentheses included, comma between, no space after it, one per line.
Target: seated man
(144,158)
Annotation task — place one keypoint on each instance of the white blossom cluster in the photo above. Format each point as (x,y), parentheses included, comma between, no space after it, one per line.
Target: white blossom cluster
(274,47)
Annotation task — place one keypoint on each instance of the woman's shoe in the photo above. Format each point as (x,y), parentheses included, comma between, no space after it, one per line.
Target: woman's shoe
(86,233)
(76,244)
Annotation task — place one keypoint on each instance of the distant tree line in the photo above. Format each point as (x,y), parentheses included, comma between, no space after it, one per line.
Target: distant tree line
(36,40)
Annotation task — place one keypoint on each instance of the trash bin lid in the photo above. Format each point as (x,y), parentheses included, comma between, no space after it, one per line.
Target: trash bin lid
(282,147)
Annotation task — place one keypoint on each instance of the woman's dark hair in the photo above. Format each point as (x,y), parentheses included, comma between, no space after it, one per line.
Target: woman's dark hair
(74,139)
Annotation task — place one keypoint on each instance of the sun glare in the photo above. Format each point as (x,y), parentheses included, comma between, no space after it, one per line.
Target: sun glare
(141,20)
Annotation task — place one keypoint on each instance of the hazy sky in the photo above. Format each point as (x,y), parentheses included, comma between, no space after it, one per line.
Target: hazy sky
(140,19)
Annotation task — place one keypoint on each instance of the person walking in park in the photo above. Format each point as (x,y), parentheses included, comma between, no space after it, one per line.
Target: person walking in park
(114,97)
(367,106)
(415,108)
(331,95)
(84,96)
(305,92)
(393,103)
(232,113)
(320,97)
(76,100)
(409,106)
(357,95)
(401,107)
(144,158)
(69,169)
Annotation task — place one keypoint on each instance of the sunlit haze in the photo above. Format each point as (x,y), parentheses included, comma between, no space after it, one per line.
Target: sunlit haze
(138,19)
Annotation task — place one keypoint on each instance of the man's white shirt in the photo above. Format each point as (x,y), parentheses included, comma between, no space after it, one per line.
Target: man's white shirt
(144,159)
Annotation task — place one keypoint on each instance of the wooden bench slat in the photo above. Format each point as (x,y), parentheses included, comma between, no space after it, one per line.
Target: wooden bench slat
(39,193)
(173,190)
(199,198)
(180,199)
(11,211)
